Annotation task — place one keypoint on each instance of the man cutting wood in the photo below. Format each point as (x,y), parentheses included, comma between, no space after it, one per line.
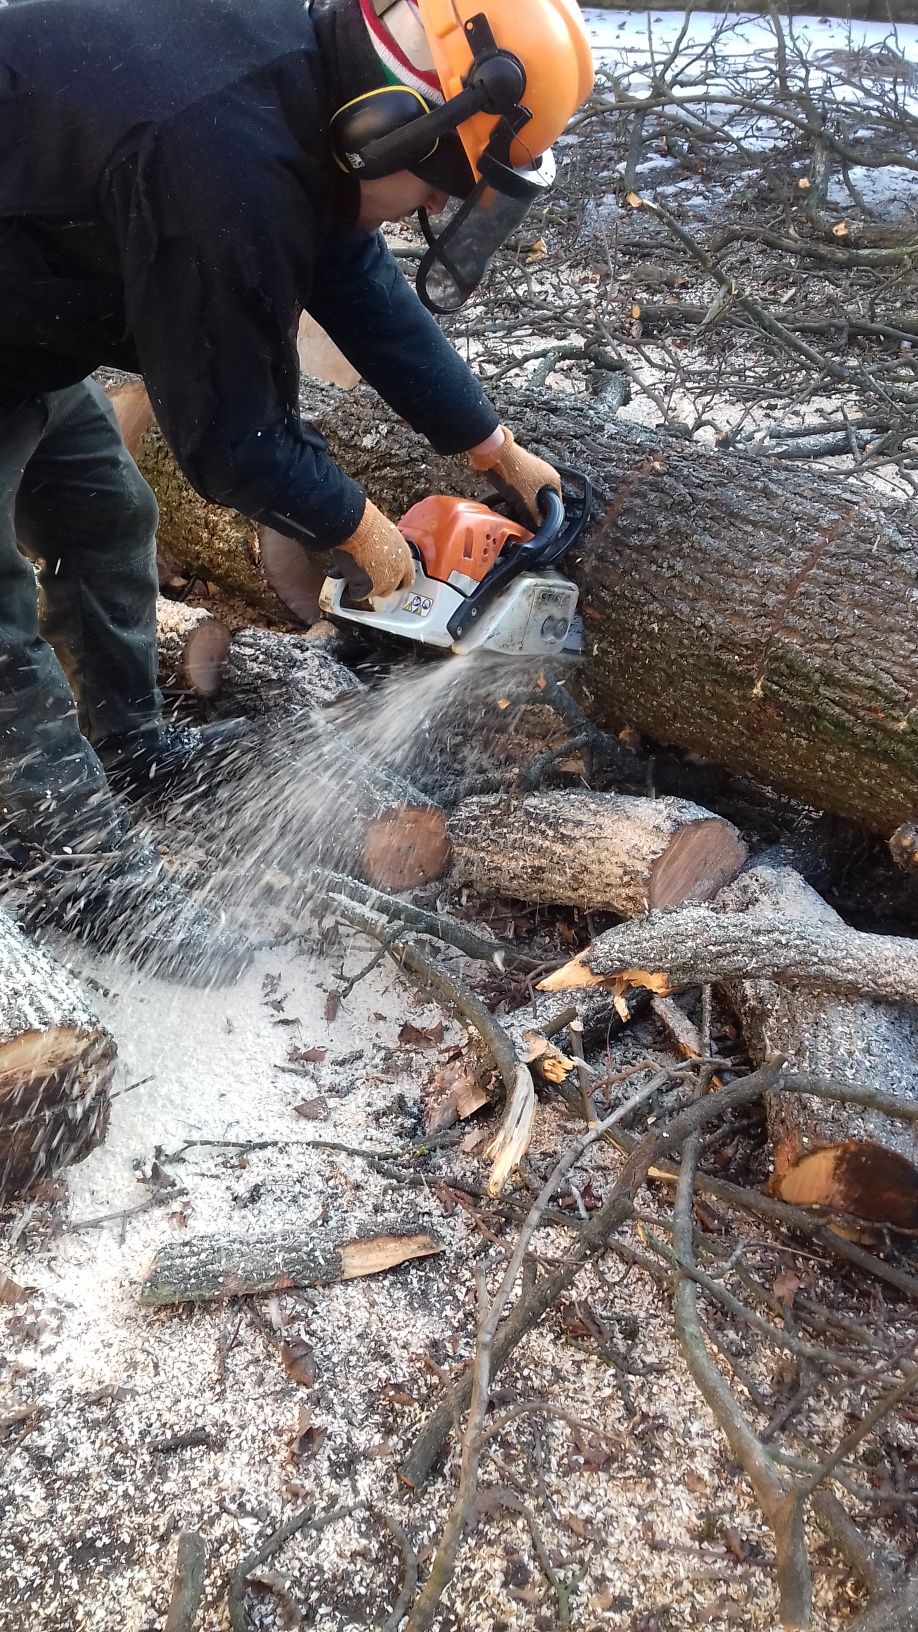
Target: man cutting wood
(179,181)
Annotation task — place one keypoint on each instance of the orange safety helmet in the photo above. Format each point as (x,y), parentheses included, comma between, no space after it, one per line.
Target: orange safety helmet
(512,73)
(549,39)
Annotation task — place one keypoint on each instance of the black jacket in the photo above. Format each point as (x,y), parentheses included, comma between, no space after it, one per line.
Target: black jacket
(168,206)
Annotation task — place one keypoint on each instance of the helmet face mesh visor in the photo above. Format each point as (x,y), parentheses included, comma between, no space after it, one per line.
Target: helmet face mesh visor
(461,252)
(462,243)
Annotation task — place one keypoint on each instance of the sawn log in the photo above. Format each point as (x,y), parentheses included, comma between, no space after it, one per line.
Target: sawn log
(56,1062)
(603,852)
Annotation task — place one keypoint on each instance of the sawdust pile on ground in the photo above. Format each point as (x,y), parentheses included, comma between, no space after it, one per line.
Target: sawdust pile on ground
(650,1513)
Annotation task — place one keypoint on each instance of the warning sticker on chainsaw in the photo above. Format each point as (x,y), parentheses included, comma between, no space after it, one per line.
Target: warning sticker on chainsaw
(418,605)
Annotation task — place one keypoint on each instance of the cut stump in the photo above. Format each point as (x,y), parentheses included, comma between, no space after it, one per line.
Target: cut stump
(56,1062)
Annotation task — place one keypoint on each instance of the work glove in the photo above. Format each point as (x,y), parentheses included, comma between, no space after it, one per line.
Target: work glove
(516,473)
(375,560)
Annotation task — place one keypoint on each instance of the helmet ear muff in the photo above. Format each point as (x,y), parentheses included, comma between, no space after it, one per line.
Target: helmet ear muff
(370,118)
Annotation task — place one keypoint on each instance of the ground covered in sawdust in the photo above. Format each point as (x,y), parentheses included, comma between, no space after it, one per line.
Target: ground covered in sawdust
(224,1418)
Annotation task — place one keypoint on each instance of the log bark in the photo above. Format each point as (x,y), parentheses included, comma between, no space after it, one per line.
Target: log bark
(733,607)
(208,1267)
(193,647)
(855,1161)
(56,1062)
(269,672)
(602,852)
(196,539)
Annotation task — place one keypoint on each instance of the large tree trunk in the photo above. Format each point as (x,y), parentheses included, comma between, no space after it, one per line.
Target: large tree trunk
(56,1061)
(733,607)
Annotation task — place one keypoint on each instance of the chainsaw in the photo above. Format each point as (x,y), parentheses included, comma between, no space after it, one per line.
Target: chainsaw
(482,581)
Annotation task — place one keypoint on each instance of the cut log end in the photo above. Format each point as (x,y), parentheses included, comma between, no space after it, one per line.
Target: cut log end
(858,1178)
(56,1063)
(381,1252)
(133,411)
(205,657)
(406,847)
(570,975)
(703,857)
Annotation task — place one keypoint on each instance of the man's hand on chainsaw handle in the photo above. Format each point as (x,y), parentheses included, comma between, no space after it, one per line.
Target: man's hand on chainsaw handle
(515,472)
(375,559)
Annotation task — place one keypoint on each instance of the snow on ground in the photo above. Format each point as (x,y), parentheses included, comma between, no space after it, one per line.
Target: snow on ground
(630,38)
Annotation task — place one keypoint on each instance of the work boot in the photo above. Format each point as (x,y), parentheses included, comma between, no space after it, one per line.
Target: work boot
(125,901)
(168,754)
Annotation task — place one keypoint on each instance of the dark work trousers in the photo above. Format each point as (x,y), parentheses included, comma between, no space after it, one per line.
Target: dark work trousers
(77,628)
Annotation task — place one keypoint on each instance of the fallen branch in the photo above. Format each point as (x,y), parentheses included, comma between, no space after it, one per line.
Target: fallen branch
(188,1586)
(308,1520)
(780,1501)
(475,1435)
(434,924)
(693,945)
(513,1137)
(593,1239)
(207,1267)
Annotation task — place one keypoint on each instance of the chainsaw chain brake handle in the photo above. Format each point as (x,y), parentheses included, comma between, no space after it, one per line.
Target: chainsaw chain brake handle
(563,520)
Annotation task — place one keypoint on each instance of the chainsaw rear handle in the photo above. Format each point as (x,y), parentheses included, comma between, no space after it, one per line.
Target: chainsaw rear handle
(563,520)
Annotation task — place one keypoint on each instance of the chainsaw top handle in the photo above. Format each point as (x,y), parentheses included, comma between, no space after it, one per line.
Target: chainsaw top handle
(563,520)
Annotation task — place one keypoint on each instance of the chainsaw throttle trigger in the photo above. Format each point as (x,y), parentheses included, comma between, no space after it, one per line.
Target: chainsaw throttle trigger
(563,520)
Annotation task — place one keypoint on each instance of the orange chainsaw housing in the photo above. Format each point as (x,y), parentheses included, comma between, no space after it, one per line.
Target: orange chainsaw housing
(457,536)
